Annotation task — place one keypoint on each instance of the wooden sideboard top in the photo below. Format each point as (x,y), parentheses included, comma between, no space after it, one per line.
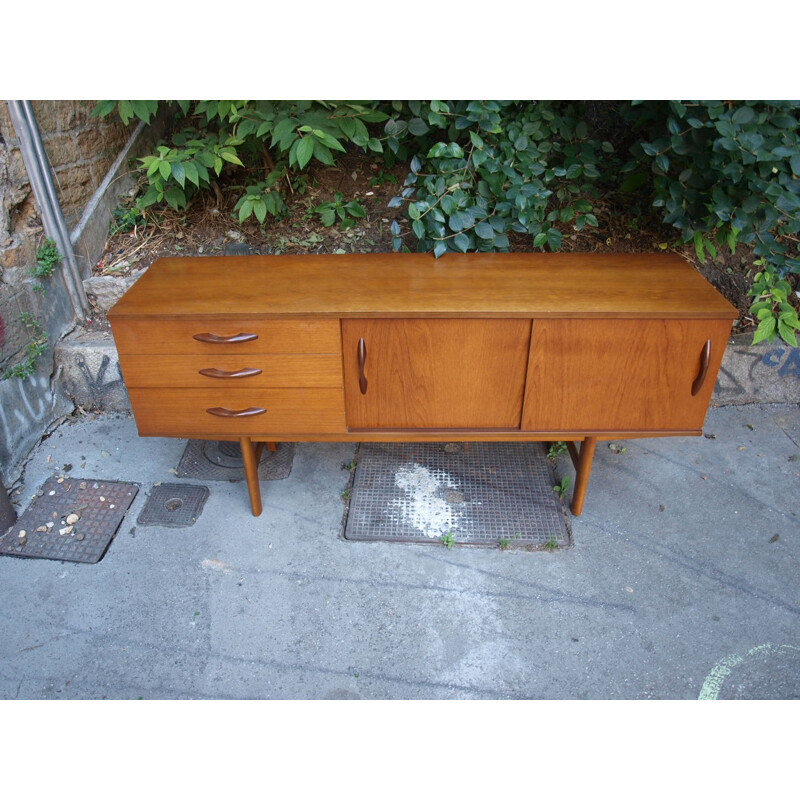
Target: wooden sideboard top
(417,285)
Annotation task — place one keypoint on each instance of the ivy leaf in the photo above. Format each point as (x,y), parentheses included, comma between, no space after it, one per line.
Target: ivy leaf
(260,210)
(461,242)
(179,173)
(743,115)
(766,330)
(554,239)
(484,230)
(417,127)
(439,248)
(305,149)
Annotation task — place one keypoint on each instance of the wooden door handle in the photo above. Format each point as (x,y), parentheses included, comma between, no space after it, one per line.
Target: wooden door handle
(218,411)
(245,372)
(705,356)
(362,359)
(212,338)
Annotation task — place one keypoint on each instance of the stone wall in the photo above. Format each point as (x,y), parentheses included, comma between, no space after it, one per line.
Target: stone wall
(80,149)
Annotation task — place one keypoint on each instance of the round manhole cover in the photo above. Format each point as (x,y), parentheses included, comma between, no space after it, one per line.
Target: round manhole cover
(173,504)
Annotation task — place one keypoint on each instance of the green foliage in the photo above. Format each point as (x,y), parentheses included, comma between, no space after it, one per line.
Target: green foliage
(551,544)
(724,172)
(485,168)
(504,543)
(125,219)
(561,488)
(261,199)
(776,317)
(47,259)
(270,137)
(36,346)
(556,449)
(447,540)
(383,178)
(144,110)
(347,212)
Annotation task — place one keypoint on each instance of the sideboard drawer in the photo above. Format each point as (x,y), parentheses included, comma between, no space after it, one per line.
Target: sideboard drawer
(223,371)
(229,335)
(183,412)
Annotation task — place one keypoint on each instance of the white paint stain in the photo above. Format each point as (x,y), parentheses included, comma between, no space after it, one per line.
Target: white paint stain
(215,565)
(723,668)
(423,506)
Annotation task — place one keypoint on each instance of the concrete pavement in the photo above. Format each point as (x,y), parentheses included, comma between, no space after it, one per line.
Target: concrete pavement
(682,582)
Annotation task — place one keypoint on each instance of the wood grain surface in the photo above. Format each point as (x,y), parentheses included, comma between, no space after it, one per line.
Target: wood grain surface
(415,284)
(436,373)
(620,374)
(183,412)
(168,336)
(284,370)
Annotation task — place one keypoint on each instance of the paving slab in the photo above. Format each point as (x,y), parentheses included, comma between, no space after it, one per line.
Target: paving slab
(681,583)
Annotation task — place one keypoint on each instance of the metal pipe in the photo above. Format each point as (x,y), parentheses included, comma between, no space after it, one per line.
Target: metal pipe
(41,178)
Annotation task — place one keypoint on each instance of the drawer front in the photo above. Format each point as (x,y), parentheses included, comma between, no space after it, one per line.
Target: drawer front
(227,335)
(622,375)
(222,371)
(183,412)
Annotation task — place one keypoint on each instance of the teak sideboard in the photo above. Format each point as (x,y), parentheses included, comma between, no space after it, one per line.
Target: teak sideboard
(404,347)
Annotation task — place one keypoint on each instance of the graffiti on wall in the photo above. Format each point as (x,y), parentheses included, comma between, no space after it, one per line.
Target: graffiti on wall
(763,367)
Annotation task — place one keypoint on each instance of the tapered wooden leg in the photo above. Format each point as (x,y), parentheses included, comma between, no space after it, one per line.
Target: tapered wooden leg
(582,470)
(251,473)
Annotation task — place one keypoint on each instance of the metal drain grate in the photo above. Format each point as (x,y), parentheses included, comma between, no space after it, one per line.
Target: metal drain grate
(50,530)
(222,461)
(481,493)
(173,505)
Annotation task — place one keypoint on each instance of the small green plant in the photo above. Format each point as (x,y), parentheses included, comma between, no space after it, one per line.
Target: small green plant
(504,543)
(447,540)
(551,544)
(383,178)
(349,465)
(47,259)
(561,488)
(36,346)
(556,449)
(261,199)
(346,494)
(347,212)
(775,315)
(615,448)
(125,219)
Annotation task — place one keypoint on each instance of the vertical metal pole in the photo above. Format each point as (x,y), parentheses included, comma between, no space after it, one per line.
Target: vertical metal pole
(38,168)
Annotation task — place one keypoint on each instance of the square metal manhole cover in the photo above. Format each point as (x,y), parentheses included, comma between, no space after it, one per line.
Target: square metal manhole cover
(71,520)
(173,505)
(482,493)
(208,460)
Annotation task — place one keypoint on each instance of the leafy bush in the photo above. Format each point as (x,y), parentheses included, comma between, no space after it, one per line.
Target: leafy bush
(729,172)
(267,137)
(495,167)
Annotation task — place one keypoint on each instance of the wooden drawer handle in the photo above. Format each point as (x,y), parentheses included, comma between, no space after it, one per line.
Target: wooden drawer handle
(245,372)
(227,412)
(362,360)
(705,357)
(212,338)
